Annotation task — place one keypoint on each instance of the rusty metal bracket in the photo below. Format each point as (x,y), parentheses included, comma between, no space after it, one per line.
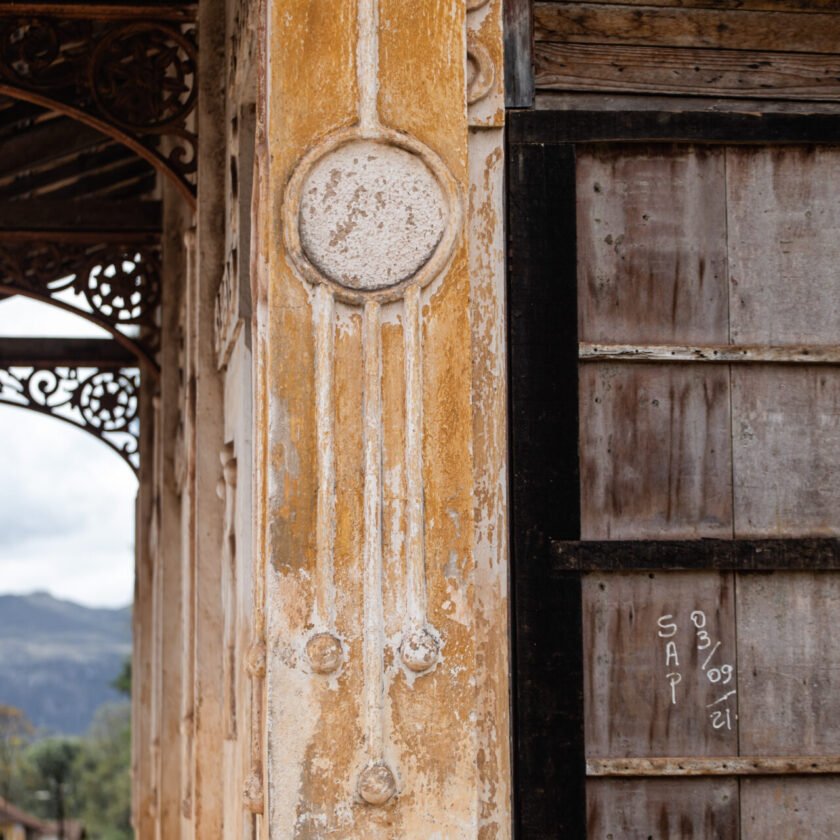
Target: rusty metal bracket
(99,393)
(134,80)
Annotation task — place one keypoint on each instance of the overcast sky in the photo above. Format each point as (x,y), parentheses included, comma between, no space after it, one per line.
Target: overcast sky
(66,499)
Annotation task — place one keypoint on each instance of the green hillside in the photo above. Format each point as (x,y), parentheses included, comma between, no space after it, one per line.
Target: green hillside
(58,659)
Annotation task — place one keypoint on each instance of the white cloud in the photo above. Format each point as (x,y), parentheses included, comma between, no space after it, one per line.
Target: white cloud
(67,500)
(20,316)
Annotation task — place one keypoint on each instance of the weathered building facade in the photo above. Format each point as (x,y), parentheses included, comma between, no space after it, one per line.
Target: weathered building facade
(366,336)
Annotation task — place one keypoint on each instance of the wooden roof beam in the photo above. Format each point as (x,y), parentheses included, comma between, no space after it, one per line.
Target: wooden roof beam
(185,12)
(45,143)
(79,221)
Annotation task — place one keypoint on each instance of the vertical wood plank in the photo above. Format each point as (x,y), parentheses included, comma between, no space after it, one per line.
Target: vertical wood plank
(655,451)
(550,797)
(783,212)
(789,663)
(790,808)
(652,244)
(786,450)
(519,64)
(631,809)
(655,646)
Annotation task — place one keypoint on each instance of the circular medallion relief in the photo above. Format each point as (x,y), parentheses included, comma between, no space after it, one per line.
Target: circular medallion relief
(371,215)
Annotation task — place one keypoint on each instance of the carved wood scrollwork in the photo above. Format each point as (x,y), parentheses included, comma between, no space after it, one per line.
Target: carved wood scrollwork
(116,287)
(137,79)
(485,87)
(102,402)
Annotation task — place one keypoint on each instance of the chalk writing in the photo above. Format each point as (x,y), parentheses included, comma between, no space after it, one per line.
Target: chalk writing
(668,630)
(674,679)
(721,711)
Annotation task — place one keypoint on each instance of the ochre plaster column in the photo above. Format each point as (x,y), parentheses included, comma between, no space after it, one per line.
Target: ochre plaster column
(380,420)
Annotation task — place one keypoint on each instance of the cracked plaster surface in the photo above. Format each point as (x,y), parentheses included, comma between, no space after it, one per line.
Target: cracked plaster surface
(371,215)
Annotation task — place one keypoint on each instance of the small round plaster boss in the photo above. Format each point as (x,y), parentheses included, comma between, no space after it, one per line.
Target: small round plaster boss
(324,652)
(420,650)
(377,784)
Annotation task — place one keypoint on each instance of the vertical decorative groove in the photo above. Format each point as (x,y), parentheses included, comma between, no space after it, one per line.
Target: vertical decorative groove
(420,647)
(376,783)
(226,491)
(367,66)
(416,548)
(373,615)
(323,314)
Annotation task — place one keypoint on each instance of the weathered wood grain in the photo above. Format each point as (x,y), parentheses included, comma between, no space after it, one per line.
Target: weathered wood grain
(590,23)
(697,555)
(783,213)
(746,765)
(624,103)
(803,6)
(789,663)
(814,354)
(643,125)
(646,692)
(665,809)
(652,244)
(790,808)
(786,450)
(802,76)
(519,71)
(655,451)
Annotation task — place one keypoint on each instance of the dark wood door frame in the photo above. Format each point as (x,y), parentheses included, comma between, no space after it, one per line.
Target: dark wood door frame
(547,555)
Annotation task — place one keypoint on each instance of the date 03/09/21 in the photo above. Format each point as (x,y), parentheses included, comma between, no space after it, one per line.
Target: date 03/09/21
(721,711)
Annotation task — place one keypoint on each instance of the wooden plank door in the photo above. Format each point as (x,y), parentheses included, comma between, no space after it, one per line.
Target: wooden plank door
(675,447)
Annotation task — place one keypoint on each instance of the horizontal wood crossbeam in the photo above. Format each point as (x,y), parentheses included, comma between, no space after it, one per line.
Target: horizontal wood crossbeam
(733,5)
(731,127)
(807,554)
(788,765)
(608,24)
(696,72)
(550,100)
(65,352)
(741,48)
(720,353)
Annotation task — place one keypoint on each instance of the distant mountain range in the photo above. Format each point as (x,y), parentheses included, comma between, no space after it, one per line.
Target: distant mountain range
(58,659)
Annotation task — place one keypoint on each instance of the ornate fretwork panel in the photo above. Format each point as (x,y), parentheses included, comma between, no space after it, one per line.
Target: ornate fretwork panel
(102,402)
(115,286)
(134,80)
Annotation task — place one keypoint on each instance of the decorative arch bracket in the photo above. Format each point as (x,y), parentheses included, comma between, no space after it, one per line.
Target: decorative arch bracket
(116,285)
(92,384)
(127,71)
